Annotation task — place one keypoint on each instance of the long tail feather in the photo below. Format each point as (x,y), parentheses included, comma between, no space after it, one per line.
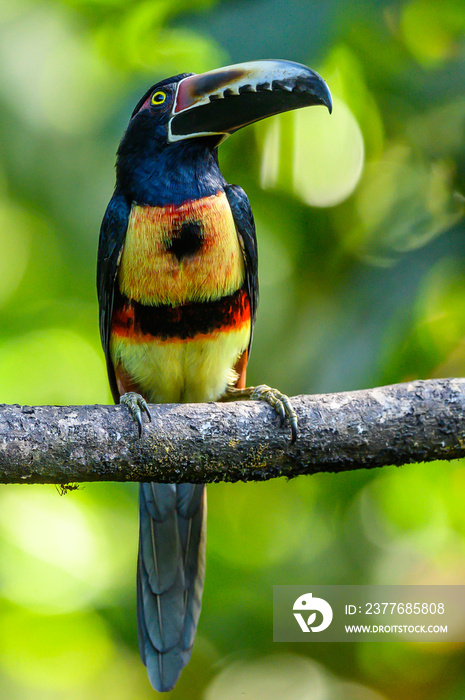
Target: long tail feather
(170,575)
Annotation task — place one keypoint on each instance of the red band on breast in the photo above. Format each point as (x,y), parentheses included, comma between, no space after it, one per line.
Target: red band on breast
(180,323)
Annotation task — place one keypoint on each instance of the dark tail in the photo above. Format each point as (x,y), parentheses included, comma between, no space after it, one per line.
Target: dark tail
(170,574)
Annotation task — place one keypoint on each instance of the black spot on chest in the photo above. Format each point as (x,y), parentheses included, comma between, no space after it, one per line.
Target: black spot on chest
(185,240)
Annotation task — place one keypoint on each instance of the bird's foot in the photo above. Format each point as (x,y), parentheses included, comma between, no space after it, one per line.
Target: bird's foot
(137,407)
(280,402)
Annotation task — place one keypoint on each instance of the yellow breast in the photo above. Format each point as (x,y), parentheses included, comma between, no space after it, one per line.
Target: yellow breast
(157,268)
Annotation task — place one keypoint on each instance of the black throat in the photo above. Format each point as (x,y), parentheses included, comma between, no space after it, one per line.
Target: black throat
(151,172)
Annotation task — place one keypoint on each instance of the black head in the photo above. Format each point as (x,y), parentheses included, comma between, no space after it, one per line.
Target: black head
(150,168)
(159,98)
(151,115)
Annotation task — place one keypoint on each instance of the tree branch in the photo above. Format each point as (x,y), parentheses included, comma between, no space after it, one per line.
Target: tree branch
(414,422)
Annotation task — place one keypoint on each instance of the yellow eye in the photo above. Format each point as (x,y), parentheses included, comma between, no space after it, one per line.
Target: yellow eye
(158,97)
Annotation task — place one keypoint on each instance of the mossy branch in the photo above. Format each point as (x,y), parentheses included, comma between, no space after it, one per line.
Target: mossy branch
(392,425)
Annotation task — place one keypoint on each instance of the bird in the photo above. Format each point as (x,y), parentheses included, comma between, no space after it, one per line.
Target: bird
(177,287)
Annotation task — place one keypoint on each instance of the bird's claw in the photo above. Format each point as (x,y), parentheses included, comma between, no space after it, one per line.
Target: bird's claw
(280,403)
(137,407)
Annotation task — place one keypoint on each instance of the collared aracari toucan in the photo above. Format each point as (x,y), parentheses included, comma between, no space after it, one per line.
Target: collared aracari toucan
(178,290)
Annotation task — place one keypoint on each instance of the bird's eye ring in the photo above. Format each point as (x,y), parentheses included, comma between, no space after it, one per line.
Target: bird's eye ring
(158,97)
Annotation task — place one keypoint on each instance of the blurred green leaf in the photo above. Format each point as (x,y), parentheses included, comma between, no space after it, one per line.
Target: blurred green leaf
(51,366)
(56,652)
(432,31)
(317,157)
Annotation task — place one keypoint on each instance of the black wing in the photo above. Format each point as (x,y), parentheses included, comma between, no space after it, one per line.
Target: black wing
(112,236)
(245,225)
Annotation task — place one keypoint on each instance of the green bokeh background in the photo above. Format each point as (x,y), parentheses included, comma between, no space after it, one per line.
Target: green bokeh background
(362,270)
